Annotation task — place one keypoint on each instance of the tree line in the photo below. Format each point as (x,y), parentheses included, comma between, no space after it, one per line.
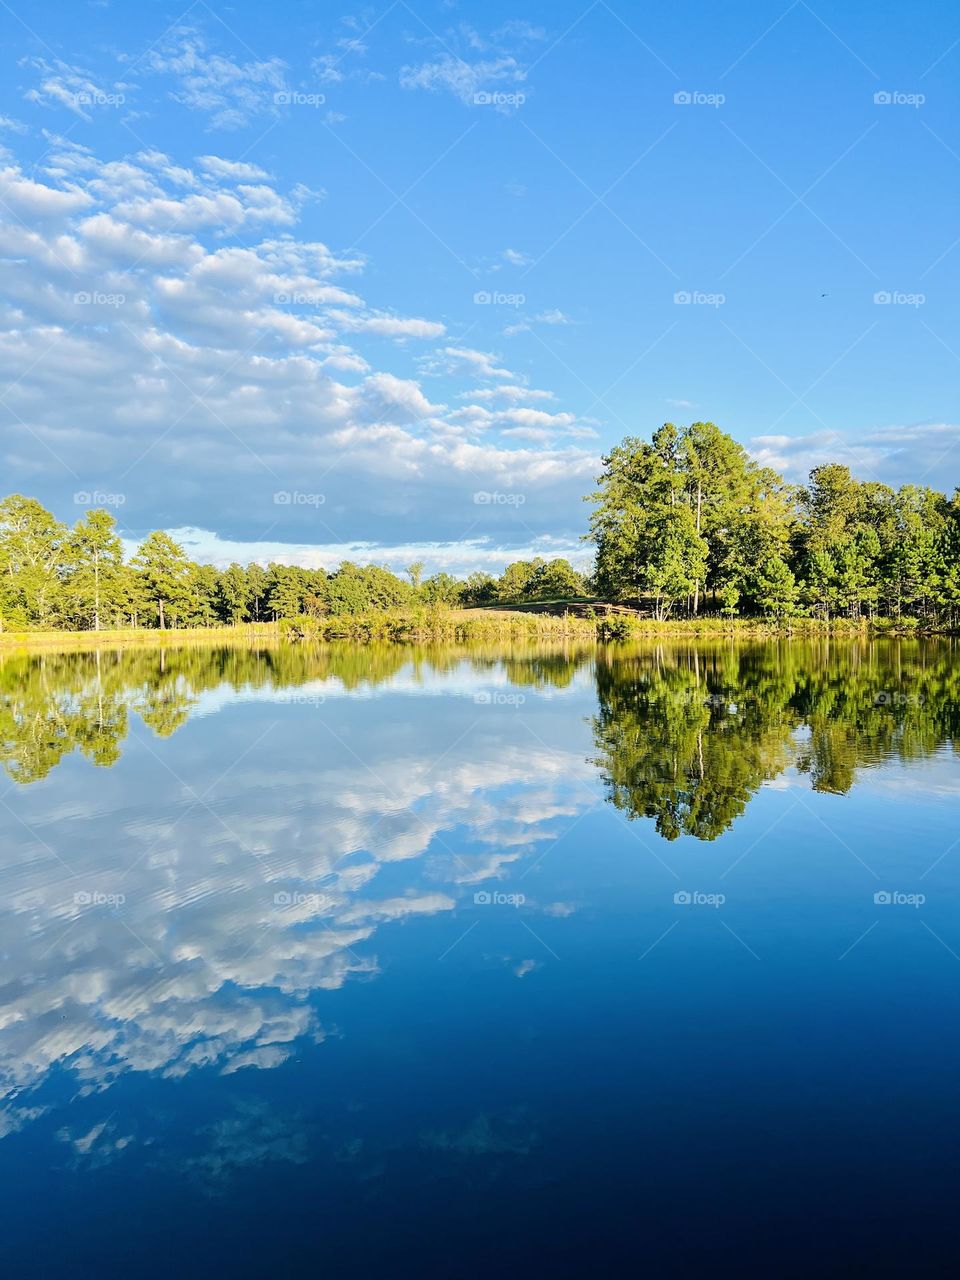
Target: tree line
(54,576)
(690,517)
(683,524)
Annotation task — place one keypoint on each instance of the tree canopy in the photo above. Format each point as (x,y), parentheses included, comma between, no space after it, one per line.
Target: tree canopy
(689,515)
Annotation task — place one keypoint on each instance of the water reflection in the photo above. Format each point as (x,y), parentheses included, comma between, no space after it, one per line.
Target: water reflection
(686,736)
(261,817)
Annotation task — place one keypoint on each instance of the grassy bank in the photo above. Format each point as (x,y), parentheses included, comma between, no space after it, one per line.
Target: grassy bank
(403,627)
(137,637)
(449,626)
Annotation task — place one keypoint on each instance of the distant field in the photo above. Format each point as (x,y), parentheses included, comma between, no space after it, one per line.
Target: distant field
(137,636)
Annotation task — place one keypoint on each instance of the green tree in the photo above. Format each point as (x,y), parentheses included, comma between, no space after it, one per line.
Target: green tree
(286,590)
(96,560)
(256,590)
(557,580)
(233,592)
(480,588)
(516,580)
(33,546)
(164,572)
(442,588)
(677,560)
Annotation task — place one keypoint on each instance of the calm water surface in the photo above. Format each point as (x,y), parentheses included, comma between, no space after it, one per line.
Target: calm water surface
(473,963)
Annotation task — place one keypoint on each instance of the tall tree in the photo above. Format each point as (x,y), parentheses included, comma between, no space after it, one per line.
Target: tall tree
(165,574)
(233,593)
(32,550)
(96,555)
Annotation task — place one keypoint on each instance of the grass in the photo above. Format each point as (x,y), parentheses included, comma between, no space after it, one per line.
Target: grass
(135,637)
(442,625)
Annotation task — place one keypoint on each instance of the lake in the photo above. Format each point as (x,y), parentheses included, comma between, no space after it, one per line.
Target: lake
(449,962)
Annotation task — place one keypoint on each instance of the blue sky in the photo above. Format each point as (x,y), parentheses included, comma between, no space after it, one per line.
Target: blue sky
(310,282)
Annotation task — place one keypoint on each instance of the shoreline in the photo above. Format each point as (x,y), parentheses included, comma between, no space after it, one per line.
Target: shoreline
(459,626)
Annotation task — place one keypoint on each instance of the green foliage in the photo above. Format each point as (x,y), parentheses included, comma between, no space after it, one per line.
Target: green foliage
(689,517)
(442,588)
(32,550)
(164,572)
(685,524)
(535,579)
(94,585)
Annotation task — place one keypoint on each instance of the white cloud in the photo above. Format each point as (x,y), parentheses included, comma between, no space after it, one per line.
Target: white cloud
(507,391)
(146,356)
(73,88)
(461,78)
(478,417)
(389,326)
(917,454)
(553,316)
(230,93)
(462,557)
(465,360)
(230,169)
(31,199)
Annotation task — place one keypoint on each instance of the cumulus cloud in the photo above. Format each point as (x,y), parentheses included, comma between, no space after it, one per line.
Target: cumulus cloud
(465,556)
(895,455)
(230,169)
(507,391)
(151,355)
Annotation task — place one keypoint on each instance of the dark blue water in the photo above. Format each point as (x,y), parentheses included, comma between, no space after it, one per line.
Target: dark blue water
(378,963)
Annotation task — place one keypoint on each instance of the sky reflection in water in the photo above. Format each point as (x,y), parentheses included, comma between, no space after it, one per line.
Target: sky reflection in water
(471,944)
